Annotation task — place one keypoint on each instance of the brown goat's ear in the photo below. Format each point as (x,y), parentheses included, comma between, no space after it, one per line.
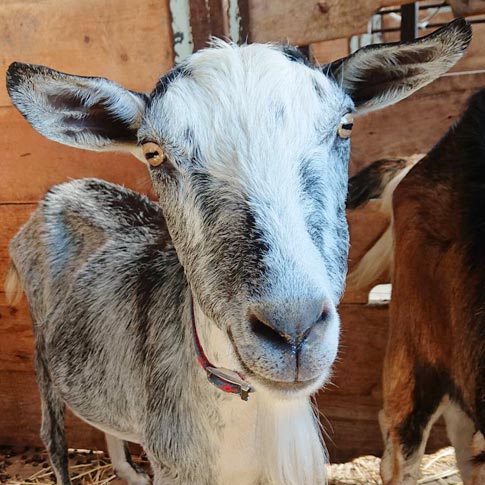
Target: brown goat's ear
(85,112)
(382,74)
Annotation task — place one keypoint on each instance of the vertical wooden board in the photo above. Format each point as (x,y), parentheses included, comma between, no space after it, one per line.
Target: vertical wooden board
(129,42)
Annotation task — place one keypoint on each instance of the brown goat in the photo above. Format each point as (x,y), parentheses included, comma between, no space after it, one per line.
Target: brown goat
(435,359)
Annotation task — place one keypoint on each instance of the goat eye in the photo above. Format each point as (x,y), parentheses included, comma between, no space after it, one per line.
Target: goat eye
(345,127)
(153,153)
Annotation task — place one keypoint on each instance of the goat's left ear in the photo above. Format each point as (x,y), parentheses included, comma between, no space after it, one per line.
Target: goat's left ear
(380,75)
(84,112)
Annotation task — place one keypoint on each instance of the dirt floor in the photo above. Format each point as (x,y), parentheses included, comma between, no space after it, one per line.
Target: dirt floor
(89,467)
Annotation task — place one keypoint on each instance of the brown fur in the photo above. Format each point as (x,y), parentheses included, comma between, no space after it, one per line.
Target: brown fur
(435,355)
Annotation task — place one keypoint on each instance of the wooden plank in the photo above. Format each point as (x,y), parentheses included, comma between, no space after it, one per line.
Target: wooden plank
(200,23)
(31,164)
(462,8)
(329,50)
(20,411)
(129,42)
(208,18)
(414,125)
(307,21)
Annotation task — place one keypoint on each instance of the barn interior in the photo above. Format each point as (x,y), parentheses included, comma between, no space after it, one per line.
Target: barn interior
(134,43)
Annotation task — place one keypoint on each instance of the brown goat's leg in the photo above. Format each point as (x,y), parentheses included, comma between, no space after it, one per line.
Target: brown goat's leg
(402,457)
(460,430)
(413,401)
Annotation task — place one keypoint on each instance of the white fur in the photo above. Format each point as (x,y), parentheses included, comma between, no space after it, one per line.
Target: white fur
(395,468)
(380,256)
(121,466)
(460,429)
(270,439)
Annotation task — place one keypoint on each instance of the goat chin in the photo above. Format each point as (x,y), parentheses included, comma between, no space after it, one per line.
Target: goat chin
(291,439)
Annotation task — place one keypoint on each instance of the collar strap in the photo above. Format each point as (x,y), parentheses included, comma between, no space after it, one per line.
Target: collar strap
(224,379)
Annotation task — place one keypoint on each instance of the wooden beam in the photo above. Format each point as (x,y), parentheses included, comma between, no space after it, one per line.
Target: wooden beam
(462,8)
(307,21)
(208,18)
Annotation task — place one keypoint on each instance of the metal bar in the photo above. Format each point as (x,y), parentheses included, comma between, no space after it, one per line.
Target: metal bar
(409,21)
(437,24)
(473,21)
(385,11)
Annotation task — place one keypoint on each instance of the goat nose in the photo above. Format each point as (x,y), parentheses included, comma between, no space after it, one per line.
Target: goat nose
(285,324)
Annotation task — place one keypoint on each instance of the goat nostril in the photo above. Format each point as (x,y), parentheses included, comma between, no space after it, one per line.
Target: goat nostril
(265,331)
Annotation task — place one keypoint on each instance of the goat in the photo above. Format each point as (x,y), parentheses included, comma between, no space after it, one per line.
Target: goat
(435,358)
(240,266)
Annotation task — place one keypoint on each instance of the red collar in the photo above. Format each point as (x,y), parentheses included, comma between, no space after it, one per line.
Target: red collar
(224,379)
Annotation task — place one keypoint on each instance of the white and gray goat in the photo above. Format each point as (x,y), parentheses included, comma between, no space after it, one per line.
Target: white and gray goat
(239,268)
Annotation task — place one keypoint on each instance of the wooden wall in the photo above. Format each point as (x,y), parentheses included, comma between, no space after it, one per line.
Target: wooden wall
(131,43)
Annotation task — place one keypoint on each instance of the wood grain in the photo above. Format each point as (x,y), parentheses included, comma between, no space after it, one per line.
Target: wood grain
(309,21)
(467,7)
(329,50)
(129,42)
(31,164)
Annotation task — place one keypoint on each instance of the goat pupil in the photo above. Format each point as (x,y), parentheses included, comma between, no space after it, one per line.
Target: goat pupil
(151,155)
(348,126)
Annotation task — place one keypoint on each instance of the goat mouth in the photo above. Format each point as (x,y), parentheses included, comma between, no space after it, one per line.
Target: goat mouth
(289,388)
(285,387)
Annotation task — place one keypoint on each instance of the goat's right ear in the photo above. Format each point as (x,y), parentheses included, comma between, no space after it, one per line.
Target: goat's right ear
(379,75)
(84,112)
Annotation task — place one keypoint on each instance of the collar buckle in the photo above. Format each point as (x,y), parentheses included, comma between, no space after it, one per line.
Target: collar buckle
(229,381)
